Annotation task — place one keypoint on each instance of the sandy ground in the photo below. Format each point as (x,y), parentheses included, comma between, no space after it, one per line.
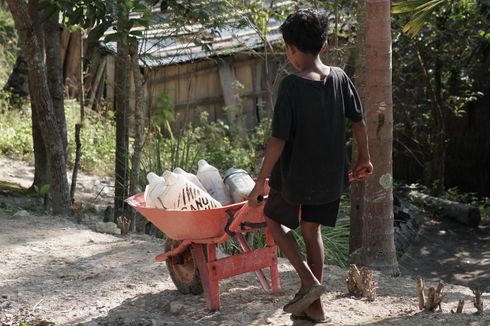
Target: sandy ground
(56,270)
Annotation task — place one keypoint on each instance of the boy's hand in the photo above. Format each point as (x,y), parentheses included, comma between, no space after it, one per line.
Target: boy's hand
(256,196)
(363,169)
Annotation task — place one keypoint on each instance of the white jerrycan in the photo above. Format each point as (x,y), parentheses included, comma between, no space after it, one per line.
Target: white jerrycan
(211,180)
(191,177)
(154,189)
(181,194)
(240,184)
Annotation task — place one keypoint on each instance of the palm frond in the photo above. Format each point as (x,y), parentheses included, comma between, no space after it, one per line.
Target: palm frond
(421,9)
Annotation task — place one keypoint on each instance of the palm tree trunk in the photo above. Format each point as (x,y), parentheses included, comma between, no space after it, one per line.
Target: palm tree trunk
(373,199)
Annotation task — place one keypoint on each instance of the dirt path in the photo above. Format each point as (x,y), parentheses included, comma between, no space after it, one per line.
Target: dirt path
(54,269)
(451,252)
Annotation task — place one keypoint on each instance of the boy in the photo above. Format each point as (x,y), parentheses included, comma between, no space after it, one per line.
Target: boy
(305,156)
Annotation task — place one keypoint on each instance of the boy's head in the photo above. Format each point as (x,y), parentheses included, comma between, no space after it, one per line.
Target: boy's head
(306,29)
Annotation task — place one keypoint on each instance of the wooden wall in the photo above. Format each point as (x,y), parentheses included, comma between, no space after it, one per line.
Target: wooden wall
(211,85)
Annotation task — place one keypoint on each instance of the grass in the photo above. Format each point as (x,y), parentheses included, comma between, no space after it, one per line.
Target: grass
(97,138)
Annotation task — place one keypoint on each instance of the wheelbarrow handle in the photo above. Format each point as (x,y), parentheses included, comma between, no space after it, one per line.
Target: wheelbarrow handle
(237,219)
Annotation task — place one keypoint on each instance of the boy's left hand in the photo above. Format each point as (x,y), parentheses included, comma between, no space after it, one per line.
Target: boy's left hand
(256,196)
(362,169)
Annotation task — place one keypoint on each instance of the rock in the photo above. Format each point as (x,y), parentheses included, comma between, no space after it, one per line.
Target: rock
(176,307)
(107,227)
(21,213)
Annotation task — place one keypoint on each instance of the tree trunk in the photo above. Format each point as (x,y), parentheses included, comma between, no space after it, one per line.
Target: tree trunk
(45,114)
(122,136)
(134,186)
(373,201)
(72,64)
(41,166)
(17,83)
(138,120)
(52,35)
(358,188)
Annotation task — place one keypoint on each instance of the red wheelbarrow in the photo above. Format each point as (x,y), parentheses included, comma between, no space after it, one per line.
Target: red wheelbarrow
(190,250)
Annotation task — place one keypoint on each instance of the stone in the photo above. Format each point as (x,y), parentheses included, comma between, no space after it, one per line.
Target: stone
(107,227)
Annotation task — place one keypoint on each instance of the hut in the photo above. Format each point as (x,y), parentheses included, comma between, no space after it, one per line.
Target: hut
(231,74)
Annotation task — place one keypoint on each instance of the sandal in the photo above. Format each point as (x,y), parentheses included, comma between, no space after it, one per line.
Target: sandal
(304,316)
(301,301)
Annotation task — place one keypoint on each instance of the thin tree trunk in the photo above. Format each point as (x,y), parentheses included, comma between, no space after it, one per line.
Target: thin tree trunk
(76,165)
(374,200)
(45,114)
(122,136)
(134,186)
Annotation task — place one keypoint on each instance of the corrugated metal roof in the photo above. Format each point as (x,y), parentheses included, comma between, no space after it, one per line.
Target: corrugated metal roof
(160,45)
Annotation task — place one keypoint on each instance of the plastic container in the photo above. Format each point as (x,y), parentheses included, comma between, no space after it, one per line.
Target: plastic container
(154,189)
(178,193)
(191,177)
(240,184)
(212,181)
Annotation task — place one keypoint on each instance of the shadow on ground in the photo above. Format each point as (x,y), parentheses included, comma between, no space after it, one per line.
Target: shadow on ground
(451,252)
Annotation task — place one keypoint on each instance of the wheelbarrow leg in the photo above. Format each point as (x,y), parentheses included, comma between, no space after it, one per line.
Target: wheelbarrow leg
(246,248)
(276,286)
(209,282)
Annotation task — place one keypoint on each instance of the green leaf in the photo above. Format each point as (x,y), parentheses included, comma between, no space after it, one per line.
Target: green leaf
(403,7)
(421,10)
(44,189)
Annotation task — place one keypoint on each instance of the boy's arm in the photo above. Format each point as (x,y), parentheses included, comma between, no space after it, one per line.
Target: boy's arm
(273,151)
(363,165)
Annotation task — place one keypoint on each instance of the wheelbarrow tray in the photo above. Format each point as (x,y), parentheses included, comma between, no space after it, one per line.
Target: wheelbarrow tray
(186,225)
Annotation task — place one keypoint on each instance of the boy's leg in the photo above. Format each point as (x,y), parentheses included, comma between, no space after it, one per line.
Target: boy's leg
(288,245)
(312,236)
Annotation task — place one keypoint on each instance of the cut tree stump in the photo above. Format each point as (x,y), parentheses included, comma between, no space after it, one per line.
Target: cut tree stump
(361,283)
(477,301)
(434,295)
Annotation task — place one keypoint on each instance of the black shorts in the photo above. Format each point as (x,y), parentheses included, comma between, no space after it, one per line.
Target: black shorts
(281,211)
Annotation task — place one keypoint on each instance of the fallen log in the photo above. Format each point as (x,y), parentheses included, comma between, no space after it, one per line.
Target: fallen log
(462,213)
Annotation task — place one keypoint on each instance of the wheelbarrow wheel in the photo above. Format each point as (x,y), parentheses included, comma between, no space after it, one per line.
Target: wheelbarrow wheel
(183,269)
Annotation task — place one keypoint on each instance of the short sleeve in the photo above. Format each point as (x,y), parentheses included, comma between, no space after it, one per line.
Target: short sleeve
(283,111)
(353,106)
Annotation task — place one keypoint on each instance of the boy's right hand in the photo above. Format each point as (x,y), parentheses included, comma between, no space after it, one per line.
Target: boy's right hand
(256,196)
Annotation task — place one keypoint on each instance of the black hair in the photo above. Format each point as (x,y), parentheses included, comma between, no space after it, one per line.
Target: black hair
(306,29)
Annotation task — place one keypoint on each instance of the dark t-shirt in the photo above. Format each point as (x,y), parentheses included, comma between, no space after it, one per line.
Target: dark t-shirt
(311,116)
